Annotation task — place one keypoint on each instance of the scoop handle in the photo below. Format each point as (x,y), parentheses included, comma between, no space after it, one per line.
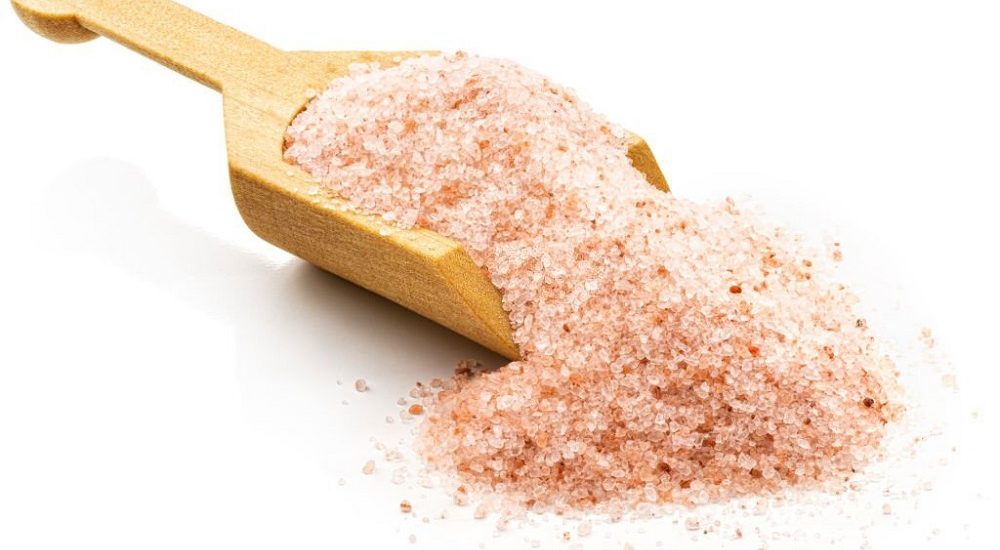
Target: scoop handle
(175,36)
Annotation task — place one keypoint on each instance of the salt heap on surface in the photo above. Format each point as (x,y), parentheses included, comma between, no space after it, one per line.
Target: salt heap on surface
(671,351)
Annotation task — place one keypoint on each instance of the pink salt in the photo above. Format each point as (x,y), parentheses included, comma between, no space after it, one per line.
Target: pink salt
(671,351)
(927,337)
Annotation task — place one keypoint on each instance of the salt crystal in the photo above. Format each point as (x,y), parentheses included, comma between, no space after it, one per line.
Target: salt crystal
(927,337)
(399,476)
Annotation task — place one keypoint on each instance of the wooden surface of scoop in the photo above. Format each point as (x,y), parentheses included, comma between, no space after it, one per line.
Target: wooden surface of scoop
(263,89)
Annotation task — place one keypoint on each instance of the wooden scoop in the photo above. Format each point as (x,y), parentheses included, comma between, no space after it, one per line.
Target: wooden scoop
(263,89)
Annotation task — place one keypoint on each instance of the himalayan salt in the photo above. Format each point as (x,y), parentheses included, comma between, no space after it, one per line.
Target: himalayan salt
(405,507)
(368,468)
(398,476)
(360,385)
(927,337)
(671,351)
(461,496)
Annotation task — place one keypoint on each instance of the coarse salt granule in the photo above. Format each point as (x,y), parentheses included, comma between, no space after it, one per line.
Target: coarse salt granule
(671,351)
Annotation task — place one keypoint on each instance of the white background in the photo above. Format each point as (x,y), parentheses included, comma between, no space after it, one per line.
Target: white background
(167,380)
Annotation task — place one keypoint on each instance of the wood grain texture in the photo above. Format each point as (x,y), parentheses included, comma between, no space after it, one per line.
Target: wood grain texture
(263,89)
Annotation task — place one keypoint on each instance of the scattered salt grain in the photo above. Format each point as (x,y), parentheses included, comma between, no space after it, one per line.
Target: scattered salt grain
(360,385)
(368,468)
(927,338)
(398,476)
(461,496)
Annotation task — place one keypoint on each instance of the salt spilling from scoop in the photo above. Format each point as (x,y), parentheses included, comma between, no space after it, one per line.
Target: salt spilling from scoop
(671,351)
